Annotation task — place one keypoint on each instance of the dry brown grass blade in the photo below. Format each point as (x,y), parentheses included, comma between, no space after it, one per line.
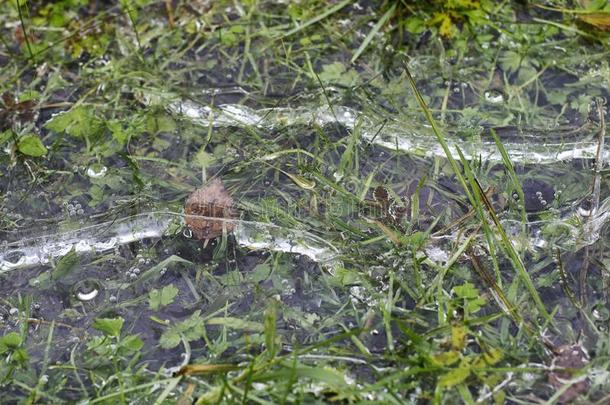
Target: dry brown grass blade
(195,369)
(598,20)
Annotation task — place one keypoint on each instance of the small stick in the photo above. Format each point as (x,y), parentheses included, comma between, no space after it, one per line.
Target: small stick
(496,292)
(170,13)
(564,282)
(599,163)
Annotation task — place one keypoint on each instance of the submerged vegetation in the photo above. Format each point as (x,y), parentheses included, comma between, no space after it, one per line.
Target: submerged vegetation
(410,201)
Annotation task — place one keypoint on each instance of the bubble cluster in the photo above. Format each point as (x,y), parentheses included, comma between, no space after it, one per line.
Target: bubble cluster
(75,209)
(133,273)
(541,199)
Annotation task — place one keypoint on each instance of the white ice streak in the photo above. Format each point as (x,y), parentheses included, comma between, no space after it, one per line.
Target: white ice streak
(392,134)
(106,236)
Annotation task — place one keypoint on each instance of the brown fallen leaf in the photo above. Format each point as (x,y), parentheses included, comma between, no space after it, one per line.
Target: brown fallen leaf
(205,203)
(12,112)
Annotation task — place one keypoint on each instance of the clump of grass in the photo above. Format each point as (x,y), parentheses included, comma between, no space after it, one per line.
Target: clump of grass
(219,324)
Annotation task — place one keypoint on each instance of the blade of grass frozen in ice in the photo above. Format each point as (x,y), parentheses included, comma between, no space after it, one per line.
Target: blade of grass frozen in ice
(437,133)
(513,176)
(590,229)
(479,208)
(513,255)
(508,247)
(503,302)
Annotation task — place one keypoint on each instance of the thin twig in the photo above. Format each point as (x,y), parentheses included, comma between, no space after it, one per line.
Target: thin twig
(564,281)
(496,292)
(590,224)
(170,13)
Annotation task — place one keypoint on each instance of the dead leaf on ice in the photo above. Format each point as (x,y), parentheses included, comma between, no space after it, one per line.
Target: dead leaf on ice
(209,201)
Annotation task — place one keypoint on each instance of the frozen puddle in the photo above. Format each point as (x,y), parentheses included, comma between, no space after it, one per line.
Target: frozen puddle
(389,133)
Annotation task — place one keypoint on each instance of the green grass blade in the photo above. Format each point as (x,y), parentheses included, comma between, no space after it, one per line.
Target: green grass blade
(320,17)
(439,136)
(511,173)
(514,256)
(373,32)
(508,247)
